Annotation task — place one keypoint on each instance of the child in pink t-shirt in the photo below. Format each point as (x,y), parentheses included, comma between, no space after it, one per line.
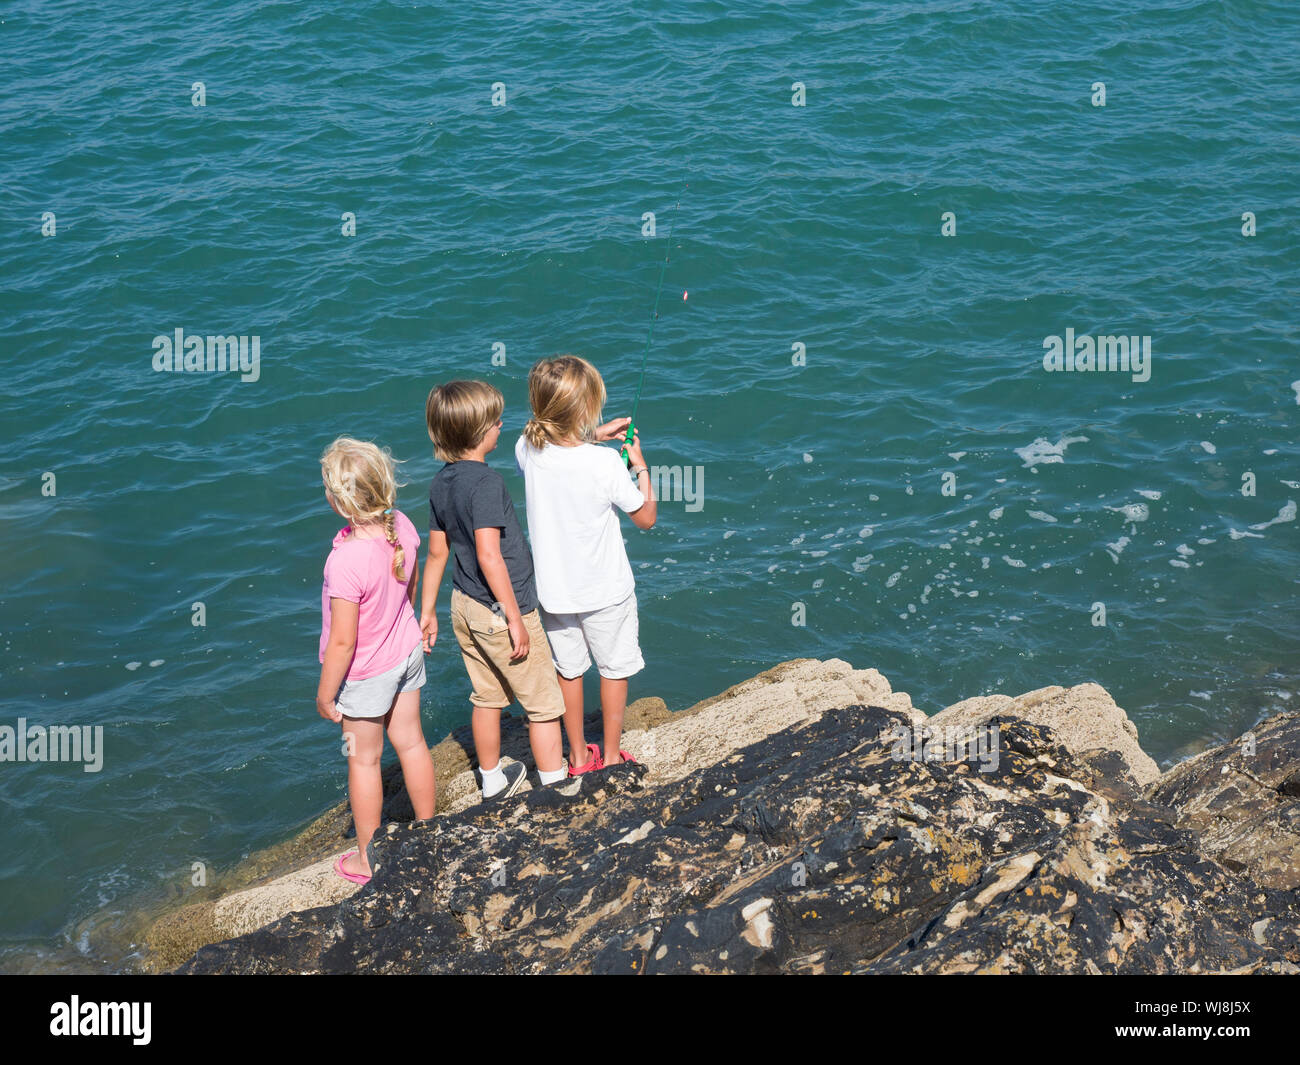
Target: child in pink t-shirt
(372,658)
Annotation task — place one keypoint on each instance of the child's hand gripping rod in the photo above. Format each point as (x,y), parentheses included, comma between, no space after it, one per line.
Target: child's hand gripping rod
(627,443)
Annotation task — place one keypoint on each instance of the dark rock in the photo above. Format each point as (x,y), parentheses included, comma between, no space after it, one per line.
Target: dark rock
(1243,799)
(814,851)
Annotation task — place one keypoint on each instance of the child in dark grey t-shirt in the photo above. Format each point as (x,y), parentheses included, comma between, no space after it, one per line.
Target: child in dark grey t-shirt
(494,597)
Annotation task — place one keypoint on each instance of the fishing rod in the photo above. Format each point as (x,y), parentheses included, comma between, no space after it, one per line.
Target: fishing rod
(631,425)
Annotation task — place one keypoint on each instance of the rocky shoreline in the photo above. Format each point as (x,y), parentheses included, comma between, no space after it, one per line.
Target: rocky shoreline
(784,826)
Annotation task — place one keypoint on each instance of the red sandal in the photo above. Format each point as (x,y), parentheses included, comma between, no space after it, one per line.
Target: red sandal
(627,759)
(592,764)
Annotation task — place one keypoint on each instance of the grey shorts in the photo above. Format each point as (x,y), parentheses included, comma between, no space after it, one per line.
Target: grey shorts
(373,697)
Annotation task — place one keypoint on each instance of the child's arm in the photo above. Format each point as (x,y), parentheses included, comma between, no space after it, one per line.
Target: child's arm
(644,516)
(338,656)
(434,566)
(487,542)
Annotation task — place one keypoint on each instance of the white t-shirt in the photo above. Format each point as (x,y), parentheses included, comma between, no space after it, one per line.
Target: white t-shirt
(578,553)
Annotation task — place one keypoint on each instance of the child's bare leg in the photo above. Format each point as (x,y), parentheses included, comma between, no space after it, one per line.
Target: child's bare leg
(486,726)
(365,740)
(407,737)
(545,739)
(572,692)
(613,701)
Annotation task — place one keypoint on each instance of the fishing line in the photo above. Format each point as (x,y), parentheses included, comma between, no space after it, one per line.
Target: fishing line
(645,355)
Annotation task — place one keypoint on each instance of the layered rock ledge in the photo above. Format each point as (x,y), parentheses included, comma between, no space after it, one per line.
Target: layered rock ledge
(783,827)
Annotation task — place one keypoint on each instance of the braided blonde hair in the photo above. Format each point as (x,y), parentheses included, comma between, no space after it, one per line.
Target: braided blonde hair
(566,394)
(361,478)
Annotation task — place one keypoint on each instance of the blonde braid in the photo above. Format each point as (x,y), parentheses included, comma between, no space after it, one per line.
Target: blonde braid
(390,533)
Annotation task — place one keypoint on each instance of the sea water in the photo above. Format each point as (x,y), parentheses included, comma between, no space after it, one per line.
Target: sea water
(234,231)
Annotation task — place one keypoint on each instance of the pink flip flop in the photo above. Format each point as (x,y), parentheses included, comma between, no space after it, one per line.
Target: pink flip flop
(593,763)
(356,878)
(626,758)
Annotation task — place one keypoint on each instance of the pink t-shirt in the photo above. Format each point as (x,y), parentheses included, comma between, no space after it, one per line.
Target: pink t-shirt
(361,571)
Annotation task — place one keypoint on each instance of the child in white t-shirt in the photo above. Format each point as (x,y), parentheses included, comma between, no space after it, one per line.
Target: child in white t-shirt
(574,490)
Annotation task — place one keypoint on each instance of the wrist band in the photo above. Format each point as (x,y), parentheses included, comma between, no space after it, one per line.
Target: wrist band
(640,470)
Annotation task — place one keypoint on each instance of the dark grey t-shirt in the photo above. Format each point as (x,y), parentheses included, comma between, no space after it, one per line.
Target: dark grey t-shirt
(468,495)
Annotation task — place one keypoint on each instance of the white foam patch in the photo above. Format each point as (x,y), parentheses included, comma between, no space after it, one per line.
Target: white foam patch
(866,531)
(1237,534)
(1149,493)
(1184,550)
(893,580)
(956,456)
(1013,562)
(1040,515)
(1180,563)
(1042,452)
(997,512)
(1287,513)
(1117,548)
(1133,512)
(861,563)
(133,666)
(1296,386)
(807,457)
(729,534)
(1210,449)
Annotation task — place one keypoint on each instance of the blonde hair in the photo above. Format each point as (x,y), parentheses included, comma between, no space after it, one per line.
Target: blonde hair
(459,414)
(361,477)
(566,394)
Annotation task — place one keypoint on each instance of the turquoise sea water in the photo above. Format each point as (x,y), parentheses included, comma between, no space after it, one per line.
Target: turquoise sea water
(521,225)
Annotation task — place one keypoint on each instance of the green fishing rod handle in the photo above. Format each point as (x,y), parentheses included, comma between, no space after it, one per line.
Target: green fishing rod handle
(627,443)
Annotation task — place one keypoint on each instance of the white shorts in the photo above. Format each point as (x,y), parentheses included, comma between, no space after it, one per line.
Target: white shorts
(609,635)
